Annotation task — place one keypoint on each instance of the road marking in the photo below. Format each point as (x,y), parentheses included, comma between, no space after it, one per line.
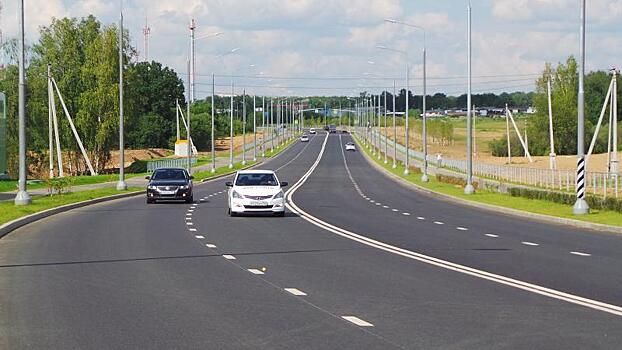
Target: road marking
(210,245)
(190,210)
(199,237)
(229,257)
(188,214)
(439,223)
(378,204)
(373,201)
(491,235)
(462,229)
(201,200)
(189,224)
(580,254)
(296,292)
(256,271)
(192,229)
(394,210)
(530,244)
(385,206)
(188,218)
(406,214)
(430,260)
(357,321)
(420,218)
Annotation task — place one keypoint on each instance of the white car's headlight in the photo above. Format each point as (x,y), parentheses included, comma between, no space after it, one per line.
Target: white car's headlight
(278,195)
(237,195)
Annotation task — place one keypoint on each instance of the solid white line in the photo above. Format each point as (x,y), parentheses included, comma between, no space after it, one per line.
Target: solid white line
(210,245)
(530,244)
(296,292)
(357,321)
(507,281)
(199,237)
(255,271)
(229,257)
(439,223)
(462,229)
(491,235)
(580,254)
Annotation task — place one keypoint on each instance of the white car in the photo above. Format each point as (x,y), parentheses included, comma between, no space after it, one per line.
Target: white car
(256,191)
(350,146)
(312,131)
(304,138)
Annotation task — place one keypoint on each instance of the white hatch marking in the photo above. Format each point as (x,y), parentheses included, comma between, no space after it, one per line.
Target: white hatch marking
(295,291)
(229,257)
(357,321)
(580,254)
(256,271)
(530,244)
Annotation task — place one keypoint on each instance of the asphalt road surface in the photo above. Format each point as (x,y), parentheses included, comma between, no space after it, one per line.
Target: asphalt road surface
(359,262)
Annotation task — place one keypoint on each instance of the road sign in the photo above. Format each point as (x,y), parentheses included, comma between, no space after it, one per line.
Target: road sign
(3,169)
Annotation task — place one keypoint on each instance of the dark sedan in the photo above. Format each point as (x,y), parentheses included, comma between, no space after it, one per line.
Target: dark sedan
(169,184)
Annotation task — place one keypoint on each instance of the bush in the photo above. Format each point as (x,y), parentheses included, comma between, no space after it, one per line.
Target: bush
(453,180)
(59,185)
(610,203)
(137,167)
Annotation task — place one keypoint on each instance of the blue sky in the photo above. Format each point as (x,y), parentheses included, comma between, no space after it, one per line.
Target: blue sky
(512,40)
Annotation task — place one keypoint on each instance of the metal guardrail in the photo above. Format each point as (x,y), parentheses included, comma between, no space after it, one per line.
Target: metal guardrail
(169,163)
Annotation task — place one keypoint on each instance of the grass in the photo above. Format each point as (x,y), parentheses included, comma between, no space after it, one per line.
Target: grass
(11,185)
(503,200)
(9,211)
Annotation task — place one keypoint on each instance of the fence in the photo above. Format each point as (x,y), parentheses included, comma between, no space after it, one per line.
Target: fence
(170,163)
(597,183)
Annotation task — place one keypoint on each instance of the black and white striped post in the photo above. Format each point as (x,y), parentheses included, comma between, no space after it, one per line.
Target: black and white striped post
(581,207)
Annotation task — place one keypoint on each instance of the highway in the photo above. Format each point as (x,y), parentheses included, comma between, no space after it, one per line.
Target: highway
(359,262)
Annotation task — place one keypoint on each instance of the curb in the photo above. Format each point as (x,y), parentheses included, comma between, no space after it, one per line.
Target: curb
(10,226)
(493,208)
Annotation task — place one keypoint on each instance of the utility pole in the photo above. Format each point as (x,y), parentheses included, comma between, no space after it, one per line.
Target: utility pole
(469,189)
(552,156)
(189,153)
(213,125)
(146,33)
(22,197)
(192,60)
(614,109)
(231,130)
(581,207)
(121,185)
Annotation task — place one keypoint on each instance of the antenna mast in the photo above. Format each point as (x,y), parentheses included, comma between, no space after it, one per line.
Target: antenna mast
(146,33)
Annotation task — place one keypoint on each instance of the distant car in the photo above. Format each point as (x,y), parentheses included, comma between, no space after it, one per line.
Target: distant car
(332,129)
(326,128)
(344,132)
(350,146)
(169,184)
(312,131)
(256,191)
(304,138)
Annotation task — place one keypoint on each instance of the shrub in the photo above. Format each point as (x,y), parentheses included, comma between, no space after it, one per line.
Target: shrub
(454,180)
(59,185)
(594,202)
(137,167)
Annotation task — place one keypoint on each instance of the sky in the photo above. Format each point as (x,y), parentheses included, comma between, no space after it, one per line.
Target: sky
(329,47)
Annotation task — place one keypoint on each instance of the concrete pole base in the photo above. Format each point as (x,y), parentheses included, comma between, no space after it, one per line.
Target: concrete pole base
(406,171)
(254,159)
(469,189)
(230,166)
(213,170)
(394,166)
(386,161)
(581,207)
(121,186)
(425,178)
(22,198)
(243,162)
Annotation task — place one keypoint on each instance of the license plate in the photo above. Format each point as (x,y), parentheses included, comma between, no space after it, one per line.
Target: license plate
(259,203)
(167,192)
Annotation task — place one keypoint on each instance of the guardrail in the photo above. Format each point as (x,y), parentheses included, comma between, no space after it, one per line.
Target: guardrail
(597,183)
(169,163)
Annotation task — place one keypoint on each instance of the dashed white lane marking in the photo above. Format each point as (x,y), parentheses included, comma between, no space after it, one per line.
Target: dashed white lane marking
(357,321)
(209,245)
(394,210)
(530,244)
(188,214)
(378,204)
(373,201)
(420,218)
(580,254)
(491,235)
(406,214)
(189,224)
(188,218)
(256,271)
(199,237)
(385,206)
(201,200)
(192,229)
(190,210)
(229,257)
(296,292)
(439,223)
(462,229)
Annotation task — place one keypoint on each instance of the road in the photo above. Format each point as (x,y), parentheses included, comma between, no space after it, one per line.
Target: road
(362,263)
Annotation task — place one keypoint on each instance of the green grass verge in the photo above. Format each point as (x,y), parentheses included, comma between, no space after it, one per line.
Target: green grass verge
(11,185)
(9,211)
(502,200)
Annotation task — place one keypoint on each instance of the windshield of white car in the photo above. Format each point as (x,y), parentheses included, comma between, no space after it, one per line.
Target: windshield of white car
(258,179)
(169,174)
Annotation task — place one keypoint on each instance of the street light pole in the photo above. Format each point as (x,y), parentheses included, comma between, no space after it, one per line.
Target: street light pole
(406,160)
(213,125)
(394,129)
(263,127)
(469,189)
(424,177)
(22,197)
(254,129)
(231,130)
(581,207)
(386,132)
(121,185)
(244,127)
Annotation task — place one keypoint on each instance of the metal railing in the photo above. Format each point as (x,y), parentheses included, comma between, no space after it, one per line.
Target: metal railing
(169,163)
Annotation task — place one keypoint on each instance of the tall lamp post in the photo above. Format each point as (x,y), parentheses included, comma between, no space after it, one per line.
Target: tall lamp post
(469,189)
(22,197)
(121,185)
(581,207)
